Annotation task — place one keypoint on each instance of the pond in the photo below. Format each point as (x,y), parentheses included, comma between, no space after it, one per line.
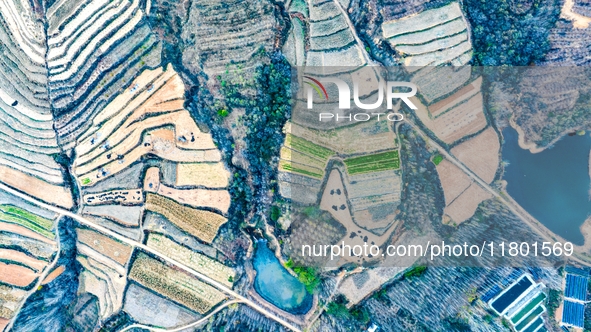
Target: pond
(552,185)
(276,285)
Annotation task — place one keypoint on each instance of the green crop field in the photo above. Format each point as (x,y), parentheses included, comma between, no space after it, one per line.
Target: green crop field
(373,163)
(302,169)
(16,215)
(307,147)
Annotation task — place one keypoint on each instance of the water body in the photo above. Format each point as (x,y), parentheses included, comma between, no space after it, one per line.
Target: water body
(552,185)
(274,283)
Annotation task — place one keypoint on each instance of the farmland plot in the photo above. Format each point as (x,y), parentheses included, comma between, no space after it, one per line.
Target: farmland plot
(148,308)
(299,188)
(202,224)
(27,246)
(462,195)
(332,43)
(436,82)
(101,278)
(363,137)
(480,154)
(335,200)
(304,157)
(13,214)
(156,223)
(374,198)
(218,199)
(115,250)
(373,163)
(175,285)
(210,175)
(463,119)
(118,136)
(127,216)
(10,298)
(27,227)
(193,259)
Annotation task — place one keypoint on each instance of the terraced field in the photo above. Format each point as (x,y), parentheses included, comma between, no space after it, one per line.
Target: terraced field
(175,285)
(88,62)
(191,258)
(113,249)
(303,157)
(102,278)
(217,199)
(363,137)
(465,117)
(332,43)
(200,223)
(15,215)
(217,35)
(27,246)
(431,38)
(83,80)
(373,163)
(295,45)
(26,133)
(135,124)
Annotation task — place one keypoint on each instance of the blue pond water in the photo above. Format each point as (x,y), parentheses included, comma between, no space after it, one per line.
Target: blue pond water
(276,285)
(553,185)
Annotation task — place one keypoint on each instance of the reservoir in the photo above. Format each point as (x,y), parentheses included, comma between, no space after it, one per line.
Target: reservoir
(552,185)
(274,283)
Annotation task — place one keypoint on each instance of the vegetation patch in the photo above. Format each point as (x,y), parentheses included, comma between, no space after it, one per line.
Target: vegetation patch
(437,159)
(306,275)
(416,271)
(373,163)
(307,147)
(302,169)
(12,214)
